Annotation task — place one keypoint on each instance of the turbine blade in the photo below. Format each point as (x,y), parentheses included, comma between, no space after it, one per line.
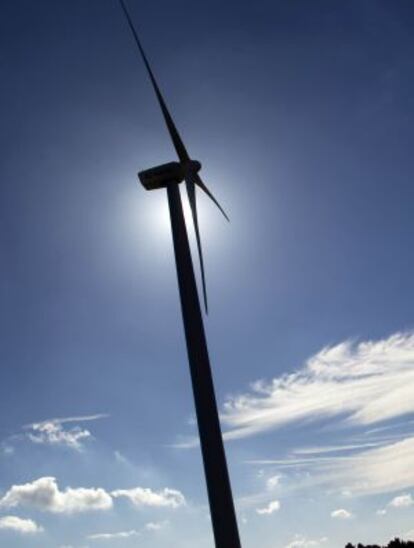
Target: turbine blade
(199,182)
(175,136)
(191,192)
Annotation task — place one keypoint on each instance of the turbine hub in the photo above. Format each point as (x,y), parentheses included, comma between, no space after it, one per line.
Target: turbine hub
(190,167)
(195,166)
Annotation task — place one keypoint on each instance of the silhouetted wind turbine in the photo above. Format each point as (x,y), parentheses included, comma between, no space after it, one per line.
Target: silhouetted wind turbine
(169,176)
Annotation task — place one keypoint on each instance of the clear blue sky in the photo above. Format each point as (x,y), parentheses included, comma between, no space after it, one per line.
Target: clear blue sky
(302,114)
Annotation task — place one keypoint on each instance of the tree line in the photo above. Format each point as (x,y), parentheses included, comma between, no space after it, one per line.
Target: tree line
(396,543)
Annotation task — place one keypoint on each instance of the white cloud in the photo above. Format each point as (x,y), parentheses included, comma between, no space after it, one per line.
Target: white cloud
(302,542)
(379,470)
(402,501)
(156,525)
(381,512)
(44,494)
(80,418)
(150,526)
(335,448)
(409,535)
(341,513)
(366,383)
(71,546)
(53,431)
(272,482)
(140,496)
(7,450)
(186,442)
(272,507)
(20,525)
(119,457)
(114,536)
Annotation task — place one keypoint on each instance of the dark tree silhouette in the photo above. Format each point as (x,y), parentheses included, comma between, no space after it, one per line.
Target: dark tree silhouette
(396,543)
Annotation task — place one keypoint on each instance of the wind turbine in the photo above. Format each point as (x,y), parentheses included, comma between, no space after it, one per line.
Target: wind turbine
(169,176)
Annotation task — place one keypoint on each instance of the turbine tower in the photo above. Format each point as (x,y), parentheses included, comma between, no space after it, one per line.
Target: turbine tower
(169,176)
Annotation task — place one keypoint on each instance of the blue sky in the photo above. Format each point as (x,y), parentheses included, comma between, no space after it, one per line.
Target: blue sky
(302,115)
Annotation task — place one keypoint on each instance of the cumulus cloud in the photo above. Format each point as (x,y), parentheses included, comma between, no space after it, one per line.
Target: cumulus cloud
(20,525)
(366,383)
(341,513)
(402,501)
(140,496)
(44,494)
(54,431)
(272,507)
(272,482)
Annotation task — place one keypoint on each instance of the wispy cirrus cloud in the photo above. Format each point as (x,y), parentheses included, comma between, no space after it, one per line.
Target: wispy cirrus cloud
(354,385)
(114,536)
(381,469)
(359,383)
(153,526)
(336,448)
(303,542)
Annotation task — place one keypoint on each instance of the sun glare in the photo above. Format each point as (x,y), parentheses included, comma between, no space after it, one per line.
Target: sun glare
(155,218)
(143,229)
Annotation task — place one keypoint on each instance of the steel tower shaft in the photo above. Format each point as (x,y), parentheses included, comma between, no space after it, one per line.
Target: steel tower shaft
(222,511)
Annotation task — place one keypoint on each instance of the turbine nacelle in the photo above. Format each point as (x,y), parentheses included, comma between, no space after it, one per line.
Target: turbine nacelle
(165,174)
